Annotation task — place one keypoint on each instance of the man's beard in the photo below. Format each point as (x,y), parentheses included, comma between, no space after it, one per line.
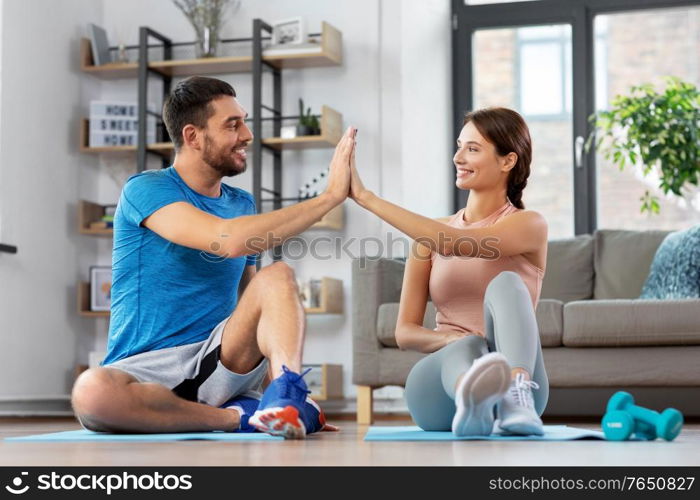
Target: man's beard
(222,160)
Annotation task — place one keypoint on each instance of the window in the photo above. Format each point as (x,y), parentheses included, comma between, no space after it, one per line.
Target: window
(523,55)
(544,71)
(526,69)
(482,2)
(641,47)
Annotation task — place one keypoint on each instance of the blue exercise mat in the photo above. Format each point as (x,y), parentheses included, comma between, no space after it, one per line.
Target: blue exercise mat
(85,435)
(413,433)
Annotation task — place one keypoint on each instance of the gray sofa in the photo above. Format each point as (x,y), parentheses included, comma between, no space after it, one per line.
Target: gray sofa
(597,337)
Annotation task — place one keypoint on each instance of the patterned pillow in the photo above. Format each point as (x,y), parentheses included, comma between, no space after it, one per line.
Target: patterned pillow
(675,270)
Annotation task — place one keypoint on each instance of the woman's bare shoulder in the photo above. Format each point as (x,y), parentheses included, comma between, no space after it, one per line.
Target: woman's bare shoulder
(528,217)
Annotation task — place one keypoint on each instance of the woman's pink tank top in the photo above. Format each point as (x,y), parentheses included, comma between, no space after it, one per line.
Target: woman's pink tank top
(458,284)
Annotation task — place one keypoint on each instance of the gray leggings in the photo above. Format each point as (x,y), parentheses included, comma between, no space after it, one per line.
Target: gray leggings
(510,328)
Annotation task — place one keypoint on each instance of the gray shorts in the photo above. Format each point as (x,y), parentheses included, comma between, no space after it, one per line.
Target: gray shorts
(194,371)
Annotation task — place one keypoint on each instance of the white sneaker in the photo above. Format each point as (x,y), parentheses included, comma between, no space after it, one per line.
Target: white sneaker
(516,411)
(481,387)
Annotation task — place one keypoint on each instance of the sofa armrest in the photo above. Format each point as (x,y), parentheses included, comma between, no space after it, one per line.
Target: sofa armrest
(374,282)
(631,322)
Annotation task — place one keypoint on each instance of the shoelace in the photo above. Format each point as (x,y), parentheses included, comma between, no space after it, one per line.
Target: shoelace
(295,379)
(522,389)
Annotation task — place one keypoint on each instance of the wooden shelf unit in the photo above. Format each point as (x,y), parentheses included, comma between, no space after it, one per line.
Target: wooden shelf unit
(325,381)
(84,302)
(331,298)
(91,212)
(165,149)
(330,54)
(331,125)
(331,132)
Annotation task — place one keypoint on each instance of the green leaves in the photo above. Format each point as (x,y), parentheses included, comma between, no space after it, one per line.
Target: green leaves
(307,118)
(649,203)
(660,130)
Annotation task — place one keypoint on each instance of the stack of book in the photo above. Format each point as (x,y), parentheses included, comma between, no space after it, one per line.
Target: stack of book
(116,124)
(107,220)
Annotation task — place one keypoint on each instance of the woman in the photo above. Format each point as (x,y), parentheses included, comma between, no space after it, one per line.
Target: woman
(483,268)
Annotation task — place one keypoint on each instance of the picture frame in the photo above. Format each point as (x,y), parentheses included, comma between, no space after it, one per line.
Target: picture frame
(288,32)
(100,46)
(100,288)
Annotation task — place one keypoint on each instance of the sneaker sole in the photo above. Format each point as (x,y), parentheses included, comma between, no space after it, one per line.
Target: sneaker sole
(522,428)
(279,421)
(480,389)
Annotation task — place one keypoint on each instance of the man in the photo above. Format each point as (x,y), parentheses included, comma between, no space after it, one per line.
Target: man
(184,353)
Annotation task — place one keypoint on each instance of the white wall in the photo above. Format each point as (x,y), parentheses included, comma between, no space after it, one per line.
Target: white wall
(393,85)
(2,9)
(41,170)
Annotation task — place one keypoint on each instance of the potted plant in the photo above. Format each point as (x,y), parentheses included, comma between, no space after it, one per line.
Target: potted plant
(657,129)
(308,123)
(206,17)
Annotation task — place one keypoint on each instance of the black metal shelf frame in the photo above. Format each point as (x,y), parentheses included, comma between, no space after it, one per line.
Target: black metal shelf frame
(8,248)
(259,65)
(143,72)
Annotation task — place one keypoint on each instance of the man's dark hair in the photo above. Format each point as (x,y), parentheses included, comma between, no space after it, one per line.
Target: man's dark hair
(190,102)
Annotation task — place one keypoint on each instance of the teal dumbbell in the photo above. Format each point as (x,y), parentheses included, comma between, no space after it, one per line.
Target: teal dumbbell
(667,424)
(644,431)
(619,425)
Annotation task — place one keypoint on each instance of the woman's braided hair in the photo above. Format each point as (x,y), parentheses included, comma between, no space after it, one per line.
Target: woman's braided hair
(508,132)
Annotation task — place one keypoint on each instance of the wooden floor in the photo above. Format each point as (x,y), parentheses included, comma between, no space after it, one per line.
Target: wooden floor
(342,448)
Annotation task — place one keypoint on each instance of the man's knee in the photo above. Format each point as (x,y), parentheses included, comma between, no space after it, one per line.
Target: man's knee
(277,273)
(93,398)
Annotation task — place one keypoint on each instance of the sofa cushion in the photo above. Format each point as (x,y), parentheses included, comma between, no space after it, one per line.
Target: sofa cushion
(386,322)
(548,314)
(622,260)
(675,270)
(631,323)
(550,321)
(569,272)
(623,366)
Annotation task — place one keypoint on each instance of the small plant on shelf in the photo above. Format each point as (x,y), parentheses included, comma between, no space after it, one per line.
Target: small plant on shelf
(206,17)
(308,123)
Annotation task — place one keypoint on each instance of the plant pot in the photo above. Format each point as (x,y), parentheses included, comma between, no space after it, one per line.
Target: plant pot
(206,44)
(304,130)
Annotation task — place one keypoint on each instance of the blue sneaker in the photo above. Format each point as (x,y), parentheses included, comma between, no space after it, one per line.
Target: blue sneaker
(282,410)
(313,416)
(246,406)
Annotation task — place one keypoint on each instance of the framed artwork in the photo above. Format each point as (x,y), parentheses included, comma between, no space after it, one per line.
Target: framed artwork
(100,288)
(288,32)
(100,45)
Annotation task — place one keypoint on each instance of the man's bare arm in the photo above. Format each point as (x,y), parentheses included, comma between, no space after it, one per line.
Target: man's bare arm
(189,226)
(186,225)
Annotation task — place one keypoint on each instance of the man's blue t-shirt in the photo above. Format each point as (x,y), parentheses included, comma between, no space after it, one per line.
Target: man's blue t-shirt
(164,294)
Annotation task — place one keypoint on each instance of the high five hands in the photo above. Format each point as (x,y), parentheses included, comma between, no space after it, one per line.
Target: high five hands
(343,178)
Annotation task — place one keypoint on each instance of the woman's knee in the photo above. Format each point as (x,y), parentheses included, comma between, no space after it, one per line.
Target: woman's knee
(428,404)
(471,346)
(505,282)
